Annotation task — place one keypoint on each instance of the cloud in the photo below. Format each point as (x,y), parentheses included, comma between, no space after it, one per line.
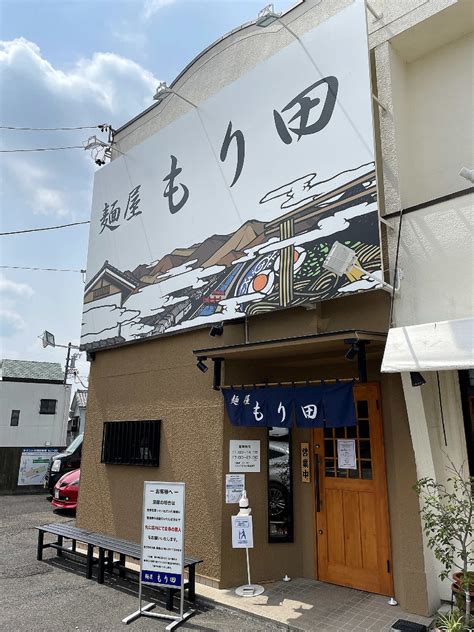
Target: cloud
(150,7)
(49,202)
(19,289)
(104,83)
(103,88)
(99,88)
(10,322)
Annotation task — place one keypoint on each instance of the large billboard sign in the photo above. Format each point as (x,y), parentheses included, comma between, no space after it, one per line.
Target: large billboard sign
(232,209)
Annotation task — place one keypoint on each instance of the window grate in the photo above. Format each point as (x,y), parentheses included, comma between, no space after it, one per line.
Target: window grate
(131,442)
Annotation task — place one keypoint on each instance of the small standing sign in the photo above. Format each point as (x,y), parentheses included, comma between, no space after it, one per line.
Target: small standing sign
(242,532)
(242,538)
(162,546)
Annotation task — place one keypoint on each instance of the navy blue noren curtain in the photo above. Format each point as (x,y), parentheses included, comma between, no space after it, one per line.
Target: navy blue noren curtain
(311,406)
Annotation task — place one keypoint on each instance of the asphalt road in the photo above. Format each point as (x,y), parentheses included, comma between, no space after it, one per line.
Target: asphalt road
(54,594)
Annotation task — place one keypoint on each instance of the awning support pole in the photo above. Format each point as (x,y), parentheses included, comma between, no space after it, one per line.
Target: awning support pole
(216,384)
(362,361)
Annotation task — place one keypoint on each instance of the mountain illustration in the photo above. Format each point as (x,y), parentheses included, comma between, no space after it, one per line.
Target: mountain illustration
(236,242)
(215,250)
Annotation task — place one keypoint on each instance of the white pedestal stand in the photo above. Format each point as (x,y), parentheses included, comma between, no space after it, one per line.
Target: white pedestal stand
(249,590)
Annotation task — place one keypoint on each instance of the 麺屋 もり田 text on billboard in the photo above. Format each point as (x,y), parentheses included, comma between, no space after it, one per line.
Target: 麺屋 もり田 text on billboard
(232,208)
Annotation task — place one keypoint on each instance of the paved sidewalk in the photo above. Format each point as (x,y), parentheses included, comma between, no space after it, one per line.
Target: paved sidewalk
(54,595)
(305,604)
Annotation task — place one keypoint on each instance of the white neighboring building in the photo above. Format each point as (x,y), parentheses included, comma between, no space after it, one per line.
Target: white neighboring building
(427,137)
(77,414)
(34,404)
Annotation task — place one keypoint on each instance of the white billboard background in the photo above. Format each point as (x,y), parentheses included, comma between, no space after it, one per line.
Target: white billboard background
(337,47)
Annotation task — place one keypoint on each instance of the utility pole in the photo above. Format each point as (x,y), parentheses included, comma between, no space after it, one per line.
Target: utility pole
(49,341)
(67,361)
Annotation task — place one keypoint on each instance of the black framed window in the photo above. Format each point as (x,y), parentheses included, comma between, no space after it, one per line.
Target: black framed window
(15,418)
(131,442)
(48,406)
(280,485)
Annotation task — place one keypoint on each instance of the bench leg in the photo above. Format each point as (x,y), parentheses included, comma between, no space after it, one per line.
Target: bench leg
(60,542)
(100,570)
(122,565)
(110,561)
(39,550)
(192,583)
(169,598)
(89,561)
(73,548)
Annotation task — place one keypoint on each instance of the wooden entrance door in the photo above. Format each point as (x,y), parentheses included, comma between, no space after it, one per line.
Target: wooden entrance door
(352,524)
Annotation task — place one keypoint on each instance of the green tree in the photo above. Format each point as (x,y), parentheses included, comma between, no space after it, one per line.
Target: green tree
(447,512)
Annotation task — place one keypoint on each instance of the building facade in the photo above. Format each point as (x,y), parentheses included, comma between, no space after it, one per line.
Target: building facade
(34,404)
(77,414)
(357,525)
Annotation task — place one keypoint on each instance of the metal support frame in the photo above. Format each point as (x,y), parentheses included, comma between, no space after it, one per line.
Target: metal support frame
(183,98)
(386,223)
(385,286)
(377,16)
(379,103)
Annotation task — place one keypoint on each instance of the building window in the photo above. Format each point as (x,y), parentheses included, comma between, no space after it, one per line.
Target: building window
(48,407)
(15,418)
(131,442)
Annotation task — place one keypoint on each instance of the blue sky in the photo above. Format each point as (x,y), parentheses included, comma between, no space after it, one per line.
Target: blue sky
(74,63)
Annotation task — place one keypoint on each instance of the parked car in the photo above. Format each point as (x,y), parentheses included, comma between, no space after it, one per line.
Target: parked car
(64,462)
(66,491)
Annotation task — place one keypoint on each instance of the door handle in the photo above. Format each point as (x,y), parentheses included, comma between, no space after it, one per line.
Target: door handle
(316,483)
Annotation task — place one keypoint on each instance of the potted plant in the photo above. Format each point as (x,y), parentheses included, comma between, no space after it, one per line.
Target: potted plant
(450,622)
(447,512)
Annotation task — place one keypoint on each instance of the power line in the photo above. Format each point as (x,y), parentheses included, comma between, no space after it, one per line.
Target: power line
(34,230)
(47,129)
(42,269)
(11,151)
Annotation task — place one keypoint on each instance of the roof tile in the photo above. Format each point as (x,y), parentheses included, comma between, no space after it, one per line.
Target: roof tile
(31,370)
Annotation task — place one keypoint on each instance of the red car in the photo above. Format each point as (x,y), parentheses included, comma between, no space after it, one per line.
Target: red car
(66,491)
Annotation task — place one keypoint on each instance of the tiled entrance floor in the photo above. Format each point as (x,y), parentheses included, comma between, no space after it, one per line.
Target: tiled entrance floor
(305,604)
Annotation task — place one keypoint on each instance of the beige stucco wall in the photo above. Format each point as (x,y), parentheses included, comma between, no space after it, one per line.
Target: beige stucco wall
(159,379)
(156,380)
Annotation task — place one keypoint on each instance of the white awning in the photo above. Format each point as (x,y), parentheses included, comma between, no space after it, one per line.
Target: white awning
(442,346)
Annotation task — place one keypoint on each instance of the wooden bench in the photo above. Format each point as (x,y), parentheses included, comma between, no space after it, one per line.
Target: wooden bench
(107,546)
